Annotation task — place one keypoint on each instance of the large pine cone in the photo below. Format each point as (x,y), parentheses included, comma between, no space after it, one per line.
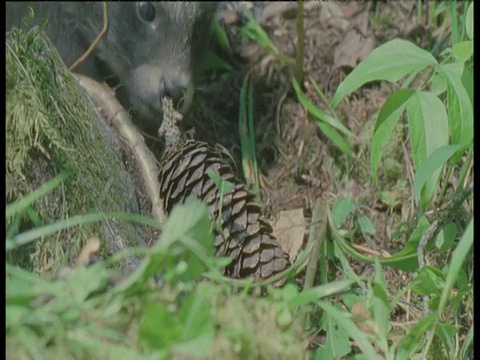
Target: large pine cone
(246,236)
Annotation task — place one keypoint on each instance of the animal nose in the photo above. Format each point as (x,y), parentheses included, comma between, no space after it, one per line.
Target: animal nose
(180,90)
(175,89)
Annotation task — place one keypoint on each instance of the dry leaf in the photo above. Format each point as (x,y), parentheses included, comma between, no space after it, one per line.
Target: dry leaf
(289,229)
(91,248)
(359,311)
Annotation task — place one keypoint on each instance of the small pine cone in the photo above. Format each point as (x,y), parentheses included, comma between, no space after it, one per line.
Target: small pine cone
(245,235)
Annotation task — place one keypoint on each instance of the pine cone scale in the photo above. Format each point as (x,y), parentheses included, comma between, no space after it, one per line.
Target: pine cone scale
(245,235)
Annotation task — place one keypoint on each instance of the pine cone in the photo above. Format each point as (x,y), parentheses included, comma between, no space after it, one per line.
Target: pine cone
(245,235)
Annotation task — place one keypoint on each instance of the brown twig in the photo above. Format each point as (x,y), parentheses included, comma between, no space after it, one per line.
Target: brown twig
(97,40)
(316,237)
(120,121)
(300,43)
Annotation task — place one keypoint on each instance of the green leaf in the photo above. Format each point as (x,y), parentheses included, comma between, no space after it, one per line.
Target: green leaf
(337,343)
(460,109)
(343,320)
(429,281)
(319,292)
(390,61)
(317,112)
(413,340)
(197,330)
(386,121)
(458,257)
(336,138)
(366,225)
(462,51)
(19,285)
(439,84)
(341,209)
(406,259)
(212,61)
(428,123)
(182,221)
(380,306)
(446,237)
(436,159)
(159,328)
(186,221)
(467,81)
(224,186)
(221,37)
(446,333)
(469,22)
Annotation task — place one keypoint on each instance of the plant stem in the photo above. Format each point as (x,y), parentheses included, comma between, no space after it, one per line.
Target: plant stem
(300,43)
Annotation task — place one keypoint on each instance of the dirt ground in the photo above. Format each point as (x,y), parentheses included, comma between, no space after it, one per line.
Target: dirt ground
(298,164)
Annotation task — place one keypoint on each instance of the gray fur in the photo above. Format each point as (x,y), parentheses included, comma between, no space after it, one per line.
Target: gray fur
(147,58)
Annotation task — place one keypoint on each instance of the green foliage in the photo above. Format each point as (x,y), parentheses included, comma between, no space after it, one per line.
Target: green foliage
(439,114)
(89,312)
(165,310)
(327,123)
(430,124)
(247,138)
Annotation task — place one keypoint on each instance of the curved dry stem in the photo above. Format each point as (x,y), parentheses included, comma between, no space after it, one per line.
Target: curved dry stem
(118,118)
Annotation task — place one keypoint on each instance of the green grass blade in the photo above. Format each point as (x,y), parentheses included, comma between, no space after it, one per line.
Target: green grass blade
(458,258)
(317,112)
(29,199)
(31,235)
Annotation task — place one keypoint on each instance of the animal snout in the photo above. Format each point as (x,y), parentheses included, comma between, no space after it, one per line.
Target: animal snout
(180,90)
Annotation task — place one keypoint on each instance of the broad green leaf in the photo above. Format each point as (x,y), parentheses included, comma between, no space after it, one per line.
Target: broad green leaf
(366,225)
(195,250)
(197,330)
(436,159)
(439,84)
(182,221)
(159,328)
(462,51)
(186,221)
(390,61)
(343,320)
(460,109)
(386,121)
(413,340)
(446,333)
(428,124)
(335,137)
(317,112)
(429,281)
(19,285)
(337,343)
(469,22)
(341,209)
(446,237)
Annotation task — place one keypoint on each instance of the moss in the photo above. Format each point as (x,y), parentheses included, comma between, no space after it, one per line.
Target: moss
(51,127)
